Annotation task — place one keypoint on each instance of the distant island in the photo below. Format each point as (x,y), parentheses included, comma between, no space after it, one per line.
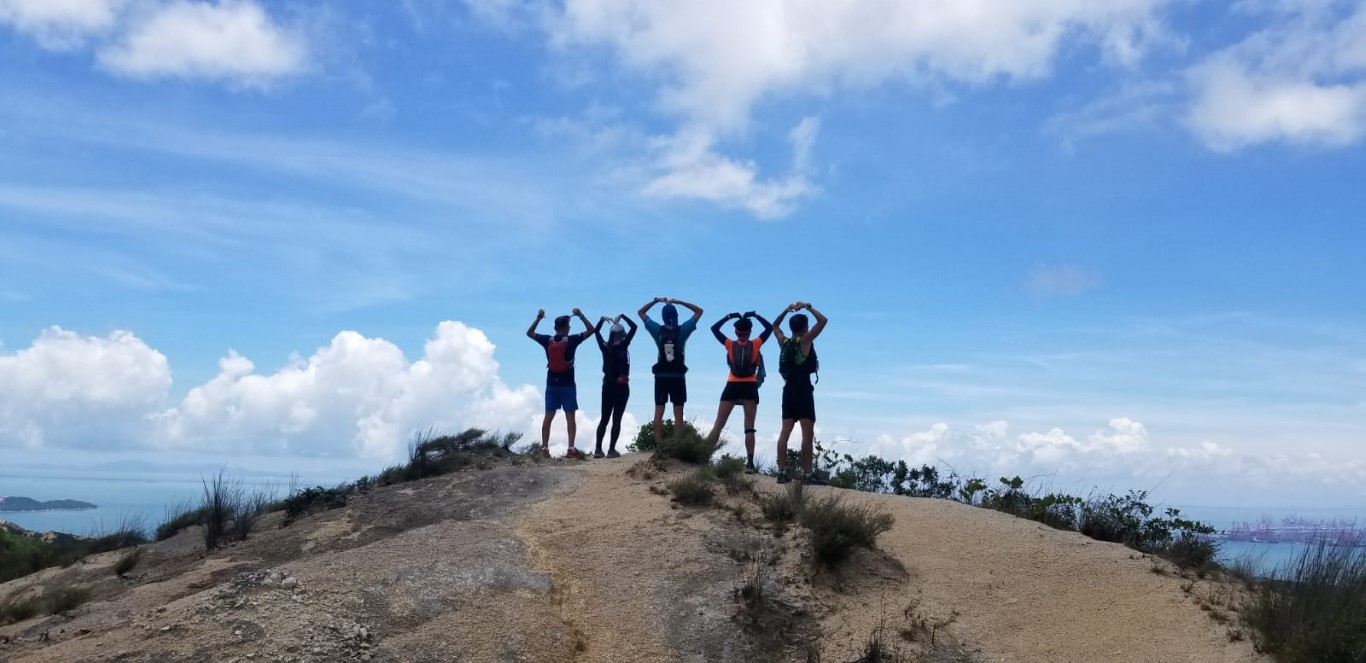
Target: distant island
(30,504)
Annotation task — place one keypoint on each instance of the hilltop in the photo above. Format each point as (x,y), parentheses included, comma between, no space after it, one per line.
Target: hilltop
(592,561)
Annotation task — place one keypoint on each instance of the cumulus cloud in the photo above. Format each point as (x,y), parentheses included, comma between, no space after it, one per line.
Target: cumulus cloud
(1301,81)
(714,60)
(357,397)
(60,24)
(233,41)
(66,389)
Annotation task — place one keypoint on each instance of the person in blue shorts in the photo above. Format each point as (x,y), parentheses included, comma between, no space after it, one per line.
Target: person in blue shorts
(560,392)
(670,368)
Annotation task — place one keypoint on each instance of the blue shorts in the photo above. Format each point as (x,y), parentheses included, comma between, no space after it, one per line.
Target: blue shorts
(561,398)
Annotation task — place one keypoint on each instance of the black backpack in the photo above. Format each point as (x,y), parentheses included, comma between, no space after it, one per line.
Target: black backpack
(787,360)
(670,351)
(743,358)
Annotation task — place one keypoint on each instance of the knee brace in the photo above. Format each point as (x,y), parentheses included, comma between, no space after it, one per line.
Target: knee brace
(750,430)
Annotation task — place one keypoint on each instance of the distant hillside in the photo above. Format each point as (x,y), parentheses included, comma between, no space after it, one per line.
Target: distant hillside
(30,504)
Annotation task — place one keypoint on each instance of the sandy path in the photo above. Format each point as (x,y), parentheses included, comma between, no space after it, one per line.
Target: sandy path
(1026,592)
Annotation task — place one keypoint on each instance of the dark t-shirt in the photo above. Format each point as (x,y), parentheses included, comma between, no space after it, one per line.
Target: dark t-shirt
(565,379)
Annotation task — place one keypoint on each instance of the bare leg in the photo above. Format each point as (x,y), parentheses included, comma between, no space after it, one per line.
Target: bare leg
(659,424)
(783,435)
(751,410)
(573,426)
(545,428)
(722,414)
(678,418)
(808,442)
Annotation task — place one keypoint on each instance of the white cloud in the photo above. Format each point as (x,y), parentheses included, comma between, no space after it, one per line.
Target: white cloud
(1301,81)
(66,389)
(714,60)
(60,24)
(1126,437)
(1061,280)
(357,397)
(233,41)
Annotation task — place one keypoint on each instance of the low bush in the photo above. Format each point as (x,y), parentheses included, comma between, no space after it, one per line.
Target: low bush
(1314,608)
(688,446)
(695,489)
(18,611)
(645,437)
(1189,550)
(128,562)
(313,500)
(781,508)
(730,471)
(838,529)
(65,600)
(183,515)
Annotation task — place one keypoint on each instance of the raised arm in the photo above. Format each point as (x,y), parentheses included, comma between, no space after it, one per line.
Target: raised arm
(644,310)
(815,329)
(531,331)
(768,327)
(597,332)
(587,326)
(629,323)
(778,325)
(716,328)
(696,310)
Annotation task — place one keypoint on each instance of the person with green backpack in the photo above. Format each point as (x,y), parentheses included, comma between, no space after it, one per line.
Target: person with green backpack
(670,369)
(746,373)
(797,362)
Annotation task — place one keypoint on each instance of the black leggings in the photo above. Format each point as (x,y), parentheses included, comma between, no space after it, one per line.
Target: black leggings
(614,397)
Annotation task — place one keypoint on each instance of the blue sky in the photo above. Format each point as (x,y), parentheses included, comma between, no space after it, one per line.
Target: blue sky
(1112,245)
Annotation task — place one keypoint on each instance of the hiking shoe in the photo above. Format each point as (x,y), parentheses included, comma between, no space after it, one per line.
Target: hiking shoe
(571,452)
(783,478)
(598,454)
(813,480)
(749,468)
(545,451)
(613,453)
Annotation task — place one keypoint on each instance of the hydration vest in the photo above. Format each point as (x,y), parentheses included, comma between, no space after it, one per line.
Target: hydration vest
(557,355)
(616,362)
(790,362)
(743,357)
(670,351)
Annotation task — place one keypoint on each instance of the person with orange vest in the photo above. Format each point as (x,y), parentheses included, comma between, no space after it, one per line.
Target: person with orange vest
(746,373)
(560,392)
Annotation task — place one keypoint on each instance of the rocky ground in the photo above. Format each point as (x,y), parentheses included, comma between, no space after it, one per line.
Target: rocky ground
(591,561)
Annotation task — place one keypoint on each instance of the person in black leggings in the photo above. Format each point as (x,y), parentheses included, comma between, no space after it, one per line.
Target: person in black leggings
(616,376)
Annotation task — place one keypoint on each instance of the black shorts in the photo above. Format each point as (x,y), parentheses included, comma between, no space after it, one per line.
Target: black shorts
(671,389)
(799,401)
(736,392)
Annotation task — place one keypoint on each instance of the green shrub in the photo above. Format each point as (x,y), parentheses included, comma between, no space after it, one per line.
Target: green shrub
(1314,608)
(185,514)
(688,446)
(730,471)
(313,500)
(220,502)
(781,508)
(837,529)
(645,437)
(1192,551)
(695,489)
(18,611)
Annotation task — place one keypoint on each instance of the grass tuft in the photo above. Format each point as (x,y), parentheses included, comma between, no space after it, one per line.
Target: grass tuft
(689,446)
(838,529)
(128,562)
(695,489)
(1313,608)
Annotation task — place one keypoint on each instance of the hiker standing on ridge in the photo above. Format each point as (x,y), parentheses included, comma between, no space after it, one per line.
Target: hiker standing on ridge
(560,392)
(796,363)
(670,369)
(742,385)
(616,378)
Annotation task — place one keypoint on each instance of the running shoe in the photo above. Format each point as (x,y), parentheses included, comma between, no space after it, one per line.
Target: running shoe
(813,480)
(545,451)
(783,478)
(749,468)
(613,453)
(598,454)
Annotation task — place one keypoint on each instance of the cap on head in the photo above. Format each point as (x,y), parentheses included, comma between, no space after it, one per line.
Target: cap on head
(670,314)
(799,323)
(617,328)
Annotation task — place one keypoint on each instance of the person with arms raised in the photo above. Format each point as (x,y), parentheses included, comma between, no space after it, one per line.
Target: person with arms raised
(616,378)
(797,362)
(670,369)
(742,385)
(560,391)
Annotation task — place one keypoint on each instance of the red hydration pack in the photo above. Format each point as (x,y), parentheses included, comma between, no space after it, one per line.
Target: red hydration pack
(557,355)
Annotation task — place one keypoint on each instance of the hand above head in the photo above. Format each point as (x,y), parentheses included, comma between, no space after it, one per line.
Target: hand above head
(661,300)
(737,316)
(577,312)
(749,314)
(540,313)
